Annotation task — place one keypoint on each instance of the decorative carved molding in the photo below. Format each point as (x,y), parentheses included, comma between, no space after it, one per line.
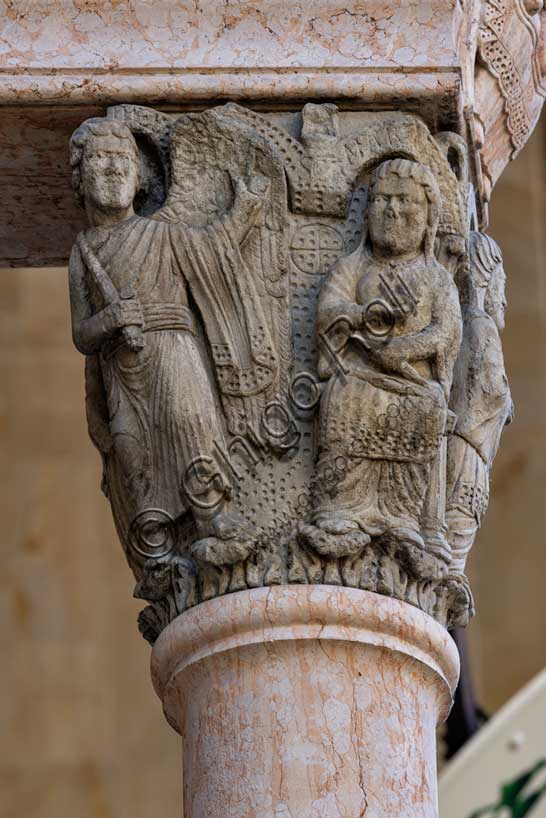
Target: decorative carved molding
(293,366)
(509,82)
(502,65)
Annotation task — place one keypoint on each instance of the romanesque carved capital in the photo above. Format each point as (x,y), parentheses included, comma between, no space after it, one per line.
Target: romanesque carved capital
(293,364)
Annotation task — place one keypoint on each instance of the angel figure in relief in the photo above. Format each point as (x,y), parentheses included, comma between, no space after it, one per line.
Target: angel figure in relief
(169,320)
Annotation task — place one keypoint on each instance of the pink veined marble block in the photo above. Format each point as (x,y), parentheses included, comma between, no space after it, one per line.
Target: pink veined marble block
(306,702)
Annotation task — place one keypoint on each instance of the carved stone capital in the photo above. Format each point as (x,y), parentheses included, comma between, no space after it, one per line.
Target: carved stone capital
(294,372)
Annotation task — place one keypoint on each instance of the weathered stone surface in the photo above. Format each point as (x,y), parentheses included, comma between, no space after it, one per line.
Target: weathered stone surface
(131,50)
(301,282)
(475,67)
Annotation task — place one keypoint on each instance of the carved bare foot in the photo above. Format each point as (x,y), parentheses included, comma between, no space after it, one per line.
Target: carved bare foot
(408,548)
(214,551)
(231,541)
(348,543)
(337,525)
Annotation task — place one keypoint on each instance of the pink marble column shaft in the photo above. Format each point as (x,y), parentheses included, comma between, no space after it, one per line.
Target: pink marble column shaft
(306,702)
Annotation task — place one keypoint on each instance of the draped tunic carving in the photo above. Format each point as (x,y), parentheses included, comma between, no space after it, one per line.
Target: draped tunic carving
(154,412)
(387,426)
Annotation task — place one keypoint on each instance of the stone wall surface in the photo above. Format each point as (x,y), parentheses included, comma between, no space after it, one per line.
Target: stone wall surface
(82,731)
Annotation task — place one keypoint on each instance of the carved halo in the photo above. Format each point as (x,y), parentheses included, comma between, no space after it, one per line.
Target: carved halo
(386,136)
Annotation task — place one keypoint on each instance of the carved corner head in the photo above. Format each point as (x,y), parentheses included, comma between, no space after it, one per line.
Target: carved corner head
(485,273)
(106,168)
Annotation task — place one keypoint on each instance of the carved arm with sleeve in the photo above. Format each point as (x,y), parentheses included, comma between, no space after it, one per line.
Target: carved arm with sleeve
(439,341)
(89,330)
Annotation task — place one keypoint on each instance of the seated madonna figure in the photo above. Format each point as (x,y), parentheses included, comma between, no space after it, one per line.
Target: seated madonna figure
(384,409)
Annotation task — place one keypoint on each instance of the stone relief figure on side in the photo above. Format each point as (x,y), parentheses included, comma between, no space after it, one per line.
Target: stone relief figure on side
(480,396)
(153,410)
(391,314)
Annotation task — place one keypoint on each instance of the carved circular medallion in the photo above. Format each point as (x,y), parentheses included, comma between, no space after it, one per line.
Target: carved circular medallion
(315,247)
(152,533)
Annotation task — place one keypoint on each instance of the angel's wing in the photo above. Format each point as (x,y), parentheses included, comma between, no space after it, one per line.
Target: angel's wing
(209,153)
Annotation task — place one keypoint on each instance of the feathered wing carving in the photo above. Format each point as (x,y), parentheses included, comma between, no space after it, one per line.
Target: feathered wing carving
(228,187)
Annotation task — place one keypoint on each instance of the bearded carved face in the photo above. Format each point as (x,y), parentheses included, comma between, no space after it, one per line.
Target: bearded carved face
(397,216)
(109,173)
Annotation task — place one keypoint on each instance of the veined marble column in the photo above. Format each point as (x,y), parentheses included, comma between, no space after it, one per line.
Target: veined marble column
(291,319)
(306,701)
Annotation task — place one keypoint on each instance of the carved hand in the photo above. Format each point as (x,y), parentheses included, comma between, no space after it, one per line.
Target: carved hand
(120,314)
(248,205)
(393,355)
(395,358)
